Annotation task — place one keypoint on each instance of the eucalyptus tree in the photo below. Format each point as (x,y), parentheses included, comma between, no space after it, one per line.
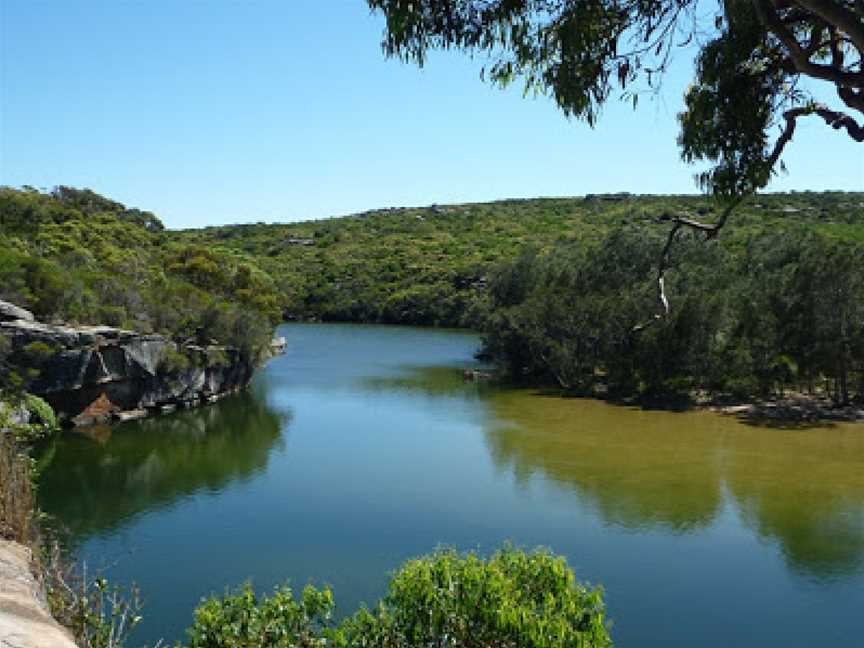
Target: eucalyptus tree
(742,108)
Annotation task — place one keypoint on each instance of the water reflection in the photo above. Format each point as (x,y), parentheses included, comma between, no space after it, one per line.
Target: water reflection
(641,470)
(428,381)
(113,474)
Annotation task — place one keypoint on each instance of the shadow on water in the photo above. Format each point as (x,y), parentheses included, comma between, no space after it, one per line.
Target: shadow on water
(803,488)
(783,424)
(122,471)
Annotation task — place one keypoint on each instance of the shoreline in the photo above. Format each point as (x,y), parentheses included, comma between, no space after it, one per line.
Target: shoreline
(792,409)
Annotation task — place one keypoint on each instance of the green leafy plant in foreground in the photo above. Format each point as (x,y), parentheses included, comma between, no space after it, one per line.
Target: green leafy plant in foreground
(241,620)
(513,599)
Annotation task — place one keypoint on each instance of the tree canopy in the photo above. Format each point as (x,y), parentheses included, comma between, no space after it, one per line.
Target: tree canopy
(743,106)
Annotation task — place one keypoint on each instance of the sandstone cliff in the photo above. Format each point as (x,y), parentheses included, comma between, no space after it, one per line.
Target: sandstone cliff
(96,373)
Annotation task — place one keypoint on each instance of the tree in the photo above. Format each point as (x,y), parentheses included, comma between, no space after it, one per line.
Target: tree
(740,112)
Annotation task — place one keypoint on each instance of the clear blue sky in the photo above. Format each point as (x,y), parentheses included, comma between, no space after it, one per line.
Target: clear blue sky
(222,112)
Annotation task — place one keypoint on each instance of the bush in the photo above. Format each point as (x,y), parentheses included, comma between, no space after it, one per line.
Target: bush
(174,361)
(37,353)
(239,620)
(513,600)
(41,412)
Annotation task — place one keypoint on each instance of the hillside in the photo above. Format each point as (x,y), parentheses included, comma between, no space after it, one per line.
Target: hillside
(560,287)
(75,256)
(430,265)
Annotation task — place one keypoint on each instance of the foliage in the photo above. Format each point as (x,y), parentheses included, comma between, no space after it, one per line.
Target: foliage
(513,599)
(240,620)
(752,56)
(557,284)
(173,361)
(431,265)
(76,256)
(755,316)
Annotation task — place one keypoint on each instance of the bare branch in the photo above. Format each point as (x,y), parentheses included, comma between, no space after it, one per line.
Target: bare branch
(710,229)
(838,120)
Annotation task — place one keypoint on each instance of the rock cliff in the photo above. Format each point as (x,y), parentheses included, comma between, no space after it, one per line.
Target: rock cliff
(92,374)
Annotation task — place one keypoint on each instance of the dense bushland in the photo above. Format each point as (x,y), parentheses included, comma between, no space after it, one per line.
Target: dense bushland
(75,256)
(771,312)
(431,265)
(558,285)
(512,600)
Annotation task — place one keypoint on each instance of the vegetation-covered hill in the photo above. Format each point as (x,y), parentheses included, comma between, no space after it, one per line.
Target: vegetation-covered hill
(559,286)
(431,265)
(75,256)
(562,287)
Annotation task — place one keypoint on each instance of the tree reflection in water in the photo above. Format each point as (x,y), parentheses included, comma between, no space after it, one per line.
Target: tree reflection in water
(132,468)
(803,488)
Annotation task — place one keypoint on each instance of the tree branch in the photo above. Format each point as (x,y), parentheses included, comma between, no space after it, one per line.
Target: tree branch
(838,120)
(768,17)
(836,14)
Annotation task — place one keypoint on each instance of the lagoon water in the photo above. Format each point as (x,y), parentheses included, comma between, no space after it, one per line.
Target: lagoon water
(363,446)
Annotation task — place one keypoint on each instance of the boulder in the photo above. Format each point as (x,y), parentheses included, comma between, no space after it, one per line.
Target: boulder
(99,411)
(9,312)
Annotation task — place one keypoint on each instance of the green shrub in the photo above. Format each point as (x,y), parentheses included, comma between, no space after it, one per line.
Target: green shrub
(174,361)
(37,353)
(512,600)
(240,620)
(98,614)
(217,358)
(41,412)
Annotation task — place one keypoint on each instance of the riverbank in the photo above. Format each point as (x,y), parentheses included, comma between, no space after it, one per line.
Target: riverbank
(799,409)
(374,428)
(99,374)
(793,410)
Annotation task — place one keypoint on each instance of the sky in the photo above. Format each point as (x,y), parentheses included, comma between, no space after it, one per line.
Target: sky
(227,112)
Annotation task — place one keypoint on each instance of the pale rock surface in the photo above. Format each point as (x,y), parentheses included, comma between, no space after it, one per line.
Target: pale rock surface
(24,618)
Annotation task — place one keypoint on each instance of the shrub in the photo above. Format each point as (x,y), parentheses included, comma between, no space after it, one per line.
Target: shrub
(41,412)
(240,620)
(37,353)
(512,600)
(174,361)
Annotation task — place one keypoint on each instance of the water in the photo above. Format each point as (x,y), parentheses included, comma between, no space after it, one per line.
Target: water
(363,446)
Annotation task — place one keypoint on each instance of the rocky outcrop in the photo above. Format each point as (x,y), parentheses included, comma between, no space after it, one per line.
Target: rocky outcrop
(93,374)
(9,312)
(25,621)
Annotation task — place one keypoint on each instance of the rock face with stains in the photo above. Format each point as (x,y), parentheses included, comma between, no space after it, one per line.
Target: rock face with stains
(25,621)
(98,373)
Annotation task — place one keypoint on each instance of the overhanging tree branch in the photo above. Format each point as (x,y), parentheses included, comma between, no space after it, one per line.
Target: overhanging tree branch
(801,60)
(836,14)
